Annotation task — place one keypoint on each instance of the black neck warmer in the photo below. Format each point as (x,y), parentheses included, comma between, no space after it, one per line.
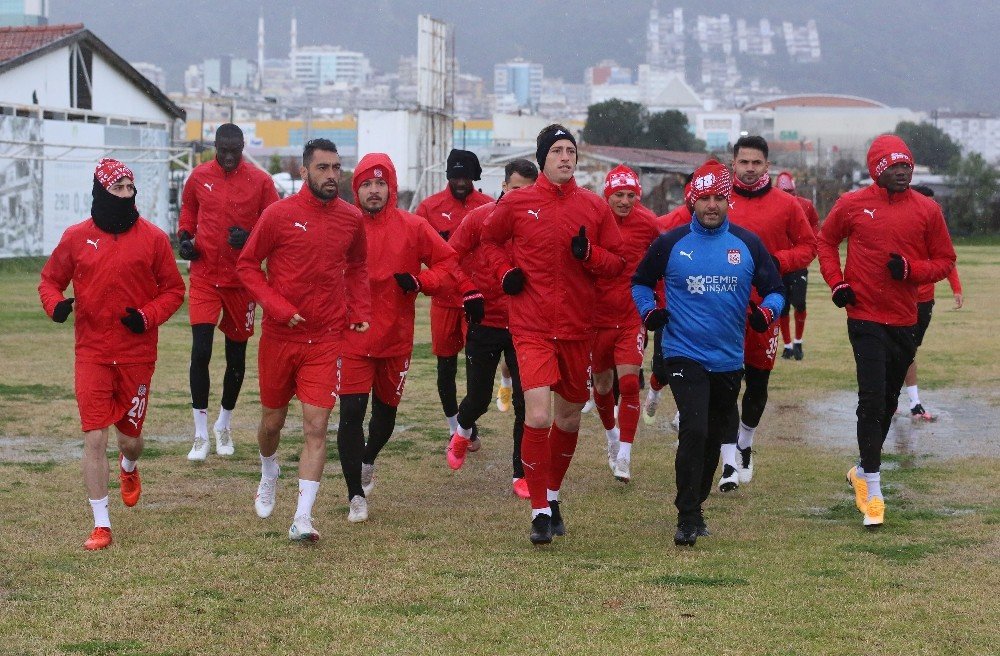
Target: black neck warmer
(111,213)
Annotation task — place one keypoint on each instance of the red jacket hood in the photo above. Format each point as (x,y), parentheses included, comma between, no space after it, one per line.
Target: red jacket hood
(366,169)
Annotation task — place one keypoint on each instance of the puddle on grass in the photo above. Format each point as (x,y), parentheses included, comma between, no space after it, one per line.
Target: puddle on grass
(48,449)
(968,424)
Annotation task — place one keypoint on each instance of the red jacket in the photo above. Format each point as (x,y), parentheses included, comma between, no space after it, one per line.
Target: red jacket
(399,242)
(475,268)
(811,214)
(445,213)
(214,200)
(560,292)
(778,219)
(926,292)
(675,218)
(316,268)
(876,224)
(615,307)
(109,273)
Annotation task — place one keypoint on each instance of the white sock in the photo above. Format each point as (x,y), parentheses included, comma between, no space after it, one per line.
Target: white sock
(464,432)
(100,510)
(535,512)
(744,438)
(612,434)
(506,382)
(200,422)
(269,465)
(729,455)
(453,424)
(128,465)
(225,417)
(874,484)
(307,497)
(625,450)
(652,395)
(788,345)
(798,341)
(914,394)
(552,495)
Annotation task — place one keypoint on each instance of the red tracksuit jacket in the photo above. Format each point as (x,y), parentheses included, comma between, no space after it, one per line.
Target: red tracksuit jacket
(475,268)
(780,222)
(109,273)
(445,213)
(675,218)
(316,267)
(811,214)
(560,292)
(214,200)
(399,242)
(926,292)
(615,307)
(875,224)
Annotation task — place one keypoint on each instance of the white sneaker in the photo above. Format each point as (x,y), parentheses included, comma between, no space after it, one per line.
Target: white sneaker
(223,441)
(359,509)
(744,464)
(263,502)
(199,450)
(730,479)
(302,530)
(588,406)
(367,477)
(613,437)
(649,407)
(675,423)
(621,470)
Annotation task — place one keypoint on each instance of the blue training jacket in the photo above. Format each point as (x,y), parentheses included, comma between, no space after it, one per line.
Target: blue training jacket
(708,274)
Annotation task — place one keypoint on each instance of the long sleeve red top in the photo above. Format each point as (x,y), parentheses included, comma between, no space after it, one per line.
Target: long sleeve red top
(780,222)
(475,267)
(615,307)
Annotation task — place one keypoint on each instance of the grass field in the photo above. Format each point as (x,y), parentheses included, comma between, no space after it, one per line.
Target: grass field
(444,564)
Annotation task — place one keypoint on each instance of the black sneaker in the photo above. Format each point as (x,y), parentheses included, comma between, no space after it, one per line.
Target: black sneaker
(558,527)
(541,530)
(686,535)
(702,529)
(787,353)
(797,350)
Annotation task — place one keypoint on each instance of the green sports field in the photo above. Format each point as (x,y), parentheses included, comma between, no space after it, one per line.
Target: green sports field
(444,564)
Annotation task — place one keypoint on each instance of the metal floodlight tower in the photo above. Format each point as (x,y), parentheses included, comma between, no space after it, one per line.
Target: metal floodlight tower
(435,102)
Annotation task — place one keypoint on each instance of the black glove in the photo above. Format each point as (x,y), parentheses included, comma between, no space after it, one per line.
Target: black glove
(62,310)
(186,246)
(844,295)
(581,245)
(407,282)
(445,234)
(237,237)
(656,318)
(134,321)
(474,305)
(513,281)
(760,318)
(899,267)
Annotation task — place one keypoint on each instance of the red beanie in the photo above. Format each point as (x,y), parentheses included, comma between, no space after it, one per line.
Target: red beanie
(110,171)
(786,182)
(621,178)
(711,178)
(886,150)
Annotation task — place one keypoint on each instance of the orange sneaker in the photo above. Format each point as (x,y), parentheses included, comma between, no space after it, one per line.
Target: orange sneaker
(131,486)
(860,486)
(874,512)
(99,539)
(521,488)
(457,447)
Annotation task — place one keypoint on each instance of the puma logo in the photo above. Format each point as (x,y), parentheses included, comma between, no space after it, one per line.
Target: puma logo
(870,213)
(208,186)
(133,422)
(688,255)
(93,242)
(301,225)
(679,374)
(732,205)
(534,213)
(446,215)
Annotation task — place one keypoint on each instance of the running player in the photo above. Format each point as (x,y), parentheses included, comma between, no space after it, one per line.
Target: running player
(796,282)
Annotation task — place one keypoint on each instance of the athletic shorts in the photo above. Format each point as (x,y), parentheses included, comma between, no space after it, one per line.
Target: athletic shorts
(206,301)
(287,369)
(447,330)
(115,394)
(614,346)
(796,283)
(759,349)
(924,312)
(563,365)
(360,374)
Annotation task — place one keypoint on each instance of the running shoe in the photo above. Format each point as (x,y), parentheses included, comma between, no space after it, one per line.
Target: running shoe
(100,538)
(302,530)
(505,398)
(129,484)
(457,447)
(223,441)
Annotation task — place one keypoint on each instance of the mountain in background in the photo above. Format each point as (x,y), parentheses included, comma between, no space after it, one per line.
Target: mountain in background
(922,54)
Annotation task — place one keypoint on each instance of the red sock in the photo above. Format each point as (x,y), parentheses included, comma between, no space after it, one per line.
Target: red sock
(654,383)
(628,412)
(535,458)
(800,324)
(562,445)
(606,408)
(786,330)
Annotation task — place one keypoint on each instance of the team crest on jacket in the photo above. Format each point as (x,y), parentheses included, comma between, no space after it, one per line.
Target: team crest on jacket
(734,256)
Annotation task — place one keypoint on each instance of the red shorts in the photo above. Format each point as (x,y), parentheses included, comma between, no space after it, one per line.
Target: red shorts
(360,374)
(759,349)
(618,346)
(206,301)
(563,365)
(113,394)
(447,330)
(308,371)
